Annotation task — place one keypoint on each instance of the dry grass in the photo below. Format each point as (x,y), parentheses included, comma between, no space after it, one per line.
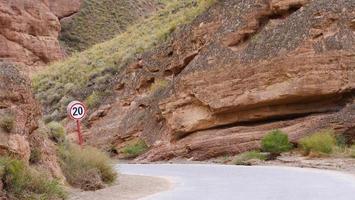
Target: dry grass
(246,157)
(352,151)
(35,156)
(7,122)
(158,85)
(320,143)
(56,132)
(92,70)
(94,99)
(87,168)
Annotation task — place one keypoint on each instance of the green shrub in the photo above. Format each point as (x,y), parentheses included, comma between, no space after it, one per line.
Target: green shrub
(158,85)
(56,132)
(341,141)
(352,151)
(7,122)
(35,155)
(93,100)
(244,158)
(2,173)
(322,142)
(23,182)
(276,142)
(81,164)
(134,149)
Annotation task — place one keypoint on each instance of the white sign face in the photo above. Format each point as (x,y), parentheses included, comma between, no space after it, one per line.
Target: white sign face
(76,110)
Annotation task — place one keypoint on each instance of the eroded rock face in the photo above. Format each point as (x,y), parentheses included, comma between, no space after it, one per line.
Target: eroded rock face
(17,100)
(19,121)
(63,8)
(18,108)
(237,72)
(29,30)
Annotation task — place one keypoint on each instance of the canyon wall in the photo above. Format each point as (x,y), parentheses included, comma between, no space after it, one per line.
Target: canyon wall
(21,128)
(29,30)
(237,72)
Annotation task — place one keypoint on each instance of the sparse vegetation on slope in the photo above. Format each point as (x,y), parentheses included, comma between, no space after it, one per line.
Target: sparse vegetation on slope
(158,85)
(134,149)
(100,20)
(35,155)
(56,132)
(24,182)
(94,99)
(7,122)
(94,69)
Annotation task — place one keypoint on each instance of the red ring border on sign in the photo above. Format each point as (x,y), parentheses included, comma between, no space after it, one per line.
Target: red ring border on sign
(79,103)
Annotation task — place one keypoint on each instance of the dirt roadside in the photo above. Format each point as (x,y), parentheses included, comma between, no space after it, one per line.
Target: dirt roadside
(346,165)
(128,187)
(289,159)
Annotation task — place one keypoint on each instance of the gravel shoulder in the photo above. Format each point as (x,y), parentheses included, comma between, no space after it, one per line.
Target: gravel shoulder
(128,187)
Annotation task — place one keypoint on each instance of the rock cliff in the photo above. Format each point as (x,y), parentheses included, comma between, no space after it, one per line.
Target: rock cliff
(63,8)
(238,71)
(29,30)
(20,122)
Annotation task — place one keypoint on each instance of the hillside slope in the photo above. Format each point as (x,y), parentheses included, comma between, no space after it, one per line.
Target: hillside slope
(218,85)
(91,75)
(98,21)
(237,72)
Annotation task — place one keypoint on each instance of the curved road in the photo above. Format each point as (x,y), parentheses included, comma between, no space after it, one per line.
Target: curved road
(225,182)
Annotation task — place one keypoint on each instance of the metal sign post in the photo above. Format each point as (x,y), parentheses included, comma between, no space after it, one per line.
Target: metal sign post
(77,111)
(80,137)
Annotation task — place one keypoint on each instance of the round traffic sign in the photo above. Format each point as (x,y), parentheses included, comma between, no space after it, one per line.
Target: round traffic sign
(76,110)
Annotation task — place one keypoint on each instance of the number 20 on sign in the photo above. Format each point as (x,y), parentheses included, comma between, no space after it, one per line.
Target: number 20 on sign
(77,111)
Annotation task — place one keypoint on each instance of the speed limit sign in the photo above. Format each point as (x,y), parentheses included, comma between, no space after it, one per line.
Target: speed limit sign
(77,111)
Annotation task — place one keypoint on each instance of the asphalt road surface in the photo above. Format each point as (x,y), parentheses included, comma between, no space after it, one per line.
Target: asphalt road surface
(226,182)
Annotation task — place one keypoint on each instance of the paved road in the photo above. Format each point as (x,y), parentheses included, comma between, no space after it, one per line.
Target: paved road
(220,182)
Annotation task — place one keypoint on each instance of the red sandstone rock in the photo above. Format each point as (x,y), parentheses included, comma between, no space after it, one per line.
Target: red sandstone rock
(237,72)
(29,30)
(16,100)
(63,8)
